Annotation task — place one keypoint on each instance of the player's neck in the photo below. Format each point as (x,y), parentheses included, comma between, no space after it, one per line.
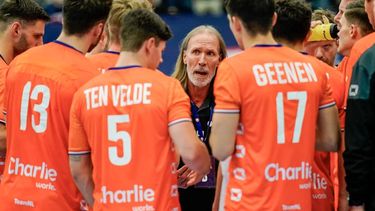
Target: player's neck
(298,46)
(129,59)
(6,49)
(114,47)
(198,94)
(250,41)
(80,43)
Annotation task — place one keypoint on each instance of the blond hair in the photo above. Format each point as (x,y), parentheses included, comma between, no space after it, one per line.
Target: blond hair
(119,9)
(180,68)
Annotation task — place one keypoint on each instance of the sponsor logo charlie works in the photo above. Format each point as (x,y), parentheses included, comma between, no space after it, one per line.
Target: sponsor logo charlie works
(42,171)
(274,172)
(137,194)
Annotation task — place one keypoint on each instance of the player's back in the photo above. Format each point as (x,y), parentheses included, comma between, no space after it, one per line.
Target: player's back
(125,115)
(40,87)
(278,92)
(104,60)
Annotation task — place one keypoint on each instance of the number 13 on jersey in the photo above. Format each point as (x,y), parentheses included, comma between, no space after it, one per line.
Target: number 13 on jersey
(41,108)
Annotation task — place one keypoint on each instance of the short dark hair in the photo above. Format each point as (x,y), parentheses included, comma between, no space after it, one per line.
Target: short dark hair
(139,25)
(356,14)
(293,20)
(81,15)
(23,10)
(256,15)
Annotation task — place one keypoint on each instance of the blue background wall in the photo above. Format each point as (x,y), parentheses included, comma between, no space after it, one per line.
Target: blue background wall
(180,24)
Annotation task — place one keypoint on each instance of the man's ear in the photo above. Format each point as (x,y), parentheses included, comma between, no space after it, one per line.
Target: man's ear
(354,31)
(150,43)
(98,30)
(16,30)
(236,22)
(274,19)
(184,56)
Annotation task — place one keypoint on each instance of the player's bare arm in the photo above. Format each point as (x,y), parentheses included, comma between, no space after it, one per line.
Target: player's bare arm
(193,152)
(81,169)
(223,134)
(328,132)
(3,136)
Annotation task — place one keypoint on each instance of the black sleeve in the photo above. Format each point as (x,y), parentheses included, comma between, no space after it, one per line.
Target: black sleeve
(359,154)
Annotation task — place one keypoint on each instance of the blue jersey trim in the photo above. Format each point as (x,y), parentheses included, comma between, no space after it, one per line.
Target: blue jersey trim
(124,67)
(67,45)
(112,52)
(267,45)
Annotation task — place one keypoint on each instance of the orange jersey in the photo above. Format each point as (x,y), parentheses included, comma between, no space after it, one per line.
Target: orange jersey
(325,178)
(342,68)
(39,90)
(278,93)
(104,60)
(3,69)
(122,119)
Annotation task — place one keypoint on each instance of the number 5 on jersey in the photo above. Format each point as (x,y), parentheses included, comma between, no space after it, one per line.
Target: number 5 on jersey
(114,136)
(41,109)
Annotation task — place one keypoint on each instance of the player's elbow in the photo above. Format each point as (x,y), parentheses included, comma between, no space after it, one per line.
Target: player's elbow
(219,150)
(329,142)
(221,154)
(3,136)
(198,160)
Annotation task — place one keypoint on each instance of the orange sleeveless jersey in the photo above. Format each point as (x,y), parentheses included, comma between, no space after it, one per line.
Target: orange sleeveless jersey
(3,69)
(122,118)
(277,92)
(104,60)
(325,166)
(39,90)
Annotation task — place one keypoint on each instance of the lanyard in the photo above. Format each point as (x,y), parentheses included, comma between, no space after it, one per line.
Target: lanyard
(201,134)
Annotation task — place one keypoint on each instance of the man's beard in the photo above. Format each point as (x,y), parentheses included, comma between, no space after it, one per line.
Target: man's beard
(21,46)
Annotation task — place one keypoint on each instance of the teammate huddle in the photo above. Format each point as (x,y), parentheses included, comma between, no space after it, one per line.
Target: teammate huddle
(77,139)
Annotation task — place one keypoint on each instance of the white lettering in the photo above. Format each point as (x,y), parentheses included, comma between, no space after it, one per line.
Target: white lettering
(282,73)
(291,207)
(23,202)
(122,95)
(137,194)
(273,172)
(28,170)
(319,182)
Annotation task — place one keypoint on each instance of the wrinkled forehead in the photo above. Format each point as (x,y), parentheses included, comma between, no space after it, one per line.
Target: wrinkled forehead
(204,39)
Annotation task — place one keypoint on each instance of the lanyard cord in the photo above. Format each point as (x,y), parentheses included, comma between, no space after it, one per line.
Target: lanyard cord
(196,121)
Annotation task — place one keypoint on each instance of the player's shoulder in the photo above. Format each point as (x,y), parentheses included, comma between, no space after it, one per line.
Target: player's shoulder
(34,53)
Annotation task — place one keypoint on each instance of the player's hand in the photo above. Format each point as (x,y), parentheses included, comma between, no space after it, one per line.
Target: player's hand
(315,23)
(187,177)
(182,176)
